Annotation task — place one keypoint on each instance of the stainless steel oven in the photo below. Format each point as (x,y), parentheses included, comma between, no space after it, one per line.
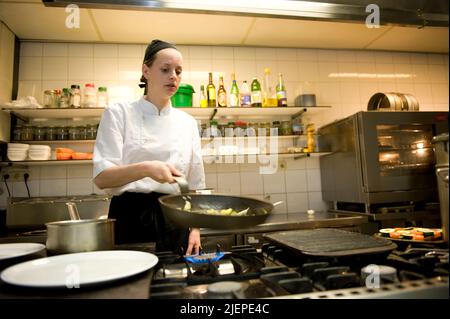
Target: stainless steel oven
(380,157)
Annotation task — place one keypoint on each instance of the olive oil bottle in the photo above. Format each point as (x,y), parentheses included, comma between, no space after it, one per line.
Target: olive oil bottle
(211,92)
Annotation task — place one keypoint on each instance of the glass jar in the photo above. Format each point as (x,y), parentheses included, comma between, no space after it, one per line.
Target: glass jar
(27,133)
(64,101)
(275,128)
(82,132)
(17,133)
(50,134)
(75,96)
(72,133)
(264,129)
(102,97)
(91,132)
(252,129)
(40,133)
(50,99)
(229,129)
(61,133)
(90,96)
(286,128)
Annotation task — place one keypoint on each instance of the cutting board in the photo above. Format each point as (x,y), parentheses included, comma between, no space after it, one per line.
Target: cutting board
(330,242)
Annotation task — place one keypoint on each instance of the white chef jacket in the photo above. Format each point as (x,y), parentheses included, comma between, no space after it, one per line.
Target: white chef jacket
(135,132)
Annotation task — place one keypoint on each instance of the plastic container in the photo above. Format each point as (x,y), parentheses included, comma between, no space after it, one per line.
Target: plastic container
(183,97)
(90,96)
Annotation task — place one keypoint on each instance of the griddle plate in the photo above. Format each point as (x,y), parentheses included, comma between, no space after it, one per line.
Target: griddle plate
(330,242)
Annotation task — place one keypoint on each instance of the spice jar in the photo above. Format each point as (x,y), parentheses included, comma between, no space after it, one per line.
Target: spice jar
(40,133)
(50,134)
(91,132)
(61,133)
(252,129)
(81,132)
(72,133)
(50,99)
(27,133)
(64,101)
(275,128)
(17,133)
(264,129)
(286,128)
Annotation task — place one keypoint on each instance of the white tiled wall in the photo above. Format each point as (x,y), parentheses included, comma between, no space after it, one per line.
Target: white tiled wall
(297,184)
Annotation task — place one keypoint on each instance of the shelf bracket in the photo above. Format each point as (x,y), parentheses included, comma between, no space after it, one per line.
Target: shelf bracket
(299,113)
(302,156)
(213,114)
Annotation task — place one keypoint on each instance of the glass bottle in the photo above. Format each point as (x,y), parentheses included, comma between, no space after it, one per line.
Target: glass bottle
(75,96)
(281,91)
(310,142)
(64,101)
(102,97)
(245,95)
(89,97)
(221,94)
(256,98)
(234,93)
(211,92)
(203,99)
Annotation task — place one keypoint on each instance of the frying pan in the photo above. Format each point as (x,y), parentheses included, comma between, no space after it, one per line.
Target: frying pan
(257,211)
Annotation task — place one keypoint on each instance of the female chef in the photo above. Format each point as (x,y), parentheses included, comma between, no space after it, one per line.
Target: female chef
(140,146)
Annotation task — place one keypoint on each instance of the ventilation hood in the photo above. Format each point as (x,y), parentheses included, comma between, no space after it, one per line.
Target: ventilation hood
(412,13)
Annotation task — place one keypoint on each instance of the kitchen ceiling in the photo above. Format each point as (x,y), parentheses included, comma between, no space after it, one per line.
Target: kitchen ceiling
(31,20)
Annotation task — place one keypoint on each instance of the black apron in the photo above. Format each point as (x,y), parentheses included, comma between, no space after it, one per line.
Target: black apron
(139,219)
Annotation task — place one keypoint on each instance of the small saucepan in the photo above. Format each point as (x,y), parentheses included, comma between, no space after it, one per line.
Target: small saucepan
(79,235)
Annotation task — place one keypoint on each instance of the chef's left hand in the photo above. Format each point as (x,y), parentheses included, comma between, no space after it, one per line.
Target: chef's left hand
(194,242)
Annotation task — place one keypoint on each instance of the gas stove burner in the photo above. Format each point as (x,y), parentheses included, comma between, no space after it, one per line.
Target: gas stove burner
(224,289)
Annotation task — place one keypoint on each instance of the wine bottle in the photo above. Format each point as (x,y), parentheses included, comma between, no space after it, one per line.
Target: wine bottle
(256,97)
(234,93)
(211,92)
(221,94)
(281,91)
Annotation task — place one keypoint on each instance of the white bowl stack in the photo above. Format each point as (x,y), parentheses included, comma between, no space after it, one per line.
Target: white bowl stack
(39,152)
(17,151)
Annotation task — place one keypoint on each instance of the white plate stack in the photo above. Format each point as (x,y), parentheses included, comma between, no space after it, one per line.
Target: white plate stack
(17,151)
(40,152)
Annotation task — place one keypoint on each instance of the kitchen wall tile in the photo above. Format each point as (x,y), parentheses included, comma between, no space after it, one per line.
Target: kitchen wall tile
(222,53)
(383,57)
(325,70)
(384,72)
(419,58)
(405,88)
(251,183)
(274,183)
(241,53)
(312,162)
(281,208)
(30,68)
(316,203)
(106,51)
(273,67)
(54,68)
(81,69)
(211,180)
(284,54)
(249,167)
(309,55)
(440,107)
(423,93)
(366,91)
(403,69)
(84,50)
(31,49)
(96,190)
(348,71)
(421,72)
(439,93)
(428,107)
(55,49)
(200,52)
(225,168)
(289,69)
(246,70)
(79,186)
(296,203)
(52,85)
(365,56)
(401,58)
(52,187)
(367,72)
(308,71)
(438,59)
(224,67)
(348,109)
(296,181)
(54,172)
(314,183)
(184,50)
(438,74)
(105,69)
(350,92)
(130,51)
(346,56)
(79,171)
(328,93)
(19,189)
(385,86)
(293,164)
(327,56)
(228,183)
(200,69)
(265,53)
(129,69)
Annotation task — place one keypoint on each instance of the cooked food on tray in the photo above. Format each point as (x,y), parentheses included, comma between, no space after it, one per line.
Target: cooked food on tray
(412,233)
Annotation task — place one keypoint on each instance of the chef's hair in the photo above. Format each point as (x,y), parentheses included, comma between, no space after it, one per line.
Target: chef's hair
(150,55)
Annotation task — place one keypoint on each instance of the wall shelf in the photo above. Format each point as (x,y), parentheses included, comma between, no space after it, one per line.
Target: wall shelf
(59,113)
(56,142)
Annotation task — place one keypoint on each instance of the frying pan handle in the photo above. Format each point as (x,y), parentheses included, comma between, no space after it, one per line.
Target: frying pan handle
(182,183)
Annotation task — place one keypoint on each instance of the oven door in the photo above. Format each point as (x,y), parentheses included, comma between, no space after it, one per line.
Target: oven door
(396,153)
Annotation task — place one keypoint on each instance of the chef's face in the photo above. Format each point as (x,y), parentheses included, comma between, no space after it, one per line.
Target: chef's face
(164,74)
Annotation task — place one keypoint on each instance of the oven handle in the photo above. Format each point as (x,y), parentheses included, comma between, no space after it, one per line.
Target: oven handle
(442,173)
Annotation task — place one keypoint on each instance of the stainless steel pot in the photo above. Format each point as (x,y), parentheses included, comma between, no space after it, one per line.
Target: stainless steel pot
(79,235)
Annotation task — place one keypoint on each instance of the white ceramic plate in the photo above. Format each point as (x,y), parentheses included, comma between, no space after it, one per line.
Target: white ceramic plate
(71,270)
(8,251)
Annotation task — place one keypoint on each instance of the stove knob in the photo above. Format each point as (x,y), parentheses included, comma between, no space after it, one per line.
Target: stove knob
(374,275)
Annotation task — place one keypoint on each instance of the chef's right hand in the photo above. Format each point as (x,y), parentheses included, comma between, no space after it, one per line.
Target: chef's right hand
(161,172)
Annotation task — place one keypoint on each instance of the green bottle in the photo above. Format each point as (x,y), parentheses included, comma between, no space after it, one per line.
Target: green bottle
(256,94)
(281,91)
(234,93)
